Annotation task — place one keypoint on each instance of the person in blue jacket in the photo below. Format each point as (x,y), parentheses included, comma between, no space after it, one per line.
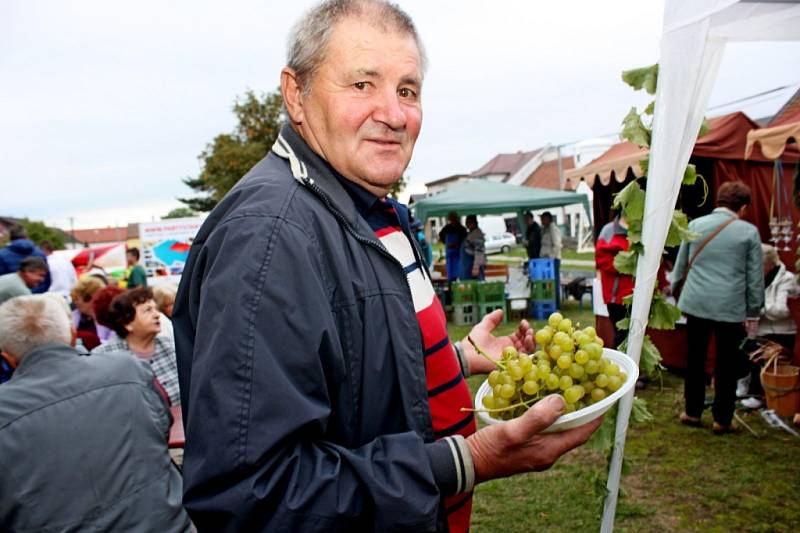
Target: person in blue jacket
(18,249)
(452,235)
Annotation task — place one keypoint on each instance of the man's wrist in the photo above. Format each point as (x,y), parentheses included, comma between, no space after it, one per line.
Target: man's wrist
(463,359)
(451,462)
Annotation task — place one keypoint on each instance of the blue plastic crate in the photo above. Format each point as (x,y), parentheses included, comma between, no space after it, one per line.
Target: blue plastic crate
(542,268)
(543,309)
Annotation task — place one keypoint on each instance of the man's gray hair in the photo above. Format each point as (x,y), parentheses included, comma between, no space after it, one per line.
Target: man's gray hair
(27,322)
(770,253)
(309,37)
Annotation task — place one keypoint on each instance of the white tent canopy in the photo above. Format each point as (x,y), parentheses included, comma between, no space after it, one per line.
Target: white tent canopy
(695,35)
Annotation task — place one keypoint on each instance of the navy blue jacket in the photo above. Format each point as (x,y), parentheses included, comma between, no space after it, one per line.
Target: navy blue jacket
(17,250)
(301,366)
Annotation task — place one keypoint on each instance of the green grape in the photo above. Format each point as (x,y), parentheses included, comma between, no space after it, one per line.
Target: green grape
(567,345)
(588,386)
(515,371)
(559,337)
(505,378)
(582,339)
(581,357)
(509,352)
(501,403)
(530,387)
(555,319)
(496,390)
(543,336)
(565,382)
(565,325)
(542,371)
(507,391)
(614,383)
(531,375)
(592,367)
(570,408)
(612,369)
(590,331)
(594,350)
(599,341)
(623,377)
(557,371)
(581,390)
(564,361)
(576,371)
(604,362)
(488,402)
(494,377)
(541,355)
(552,382)
(554,351)
(572,394)
(598,394)
(601,381)
(525,362)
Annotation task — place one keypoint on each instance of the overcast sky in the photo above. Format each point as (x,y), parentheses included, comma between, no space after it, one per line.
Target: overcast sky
(104,106)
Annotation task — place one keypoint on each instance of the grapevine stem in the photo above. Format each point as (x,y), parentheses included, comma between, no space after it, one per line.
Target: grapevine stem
(484,354)
(500,409)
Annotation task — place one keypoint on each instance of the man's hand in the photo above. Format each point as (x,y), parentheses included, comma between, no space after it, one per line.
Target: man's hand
(522,340)
(518,446)
(751,327)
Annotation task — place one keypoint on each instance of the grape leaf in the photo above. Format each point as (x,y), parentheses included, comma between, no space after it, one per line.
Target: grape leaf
(623,323)
(625,262)
(705,127)
(628,300)
(602,440)
(642,78)
(644,164)
(640,413)
(663,315)
(679,229)
(650,359)
(650,109)
(689,175)
(630,201)
(634,130)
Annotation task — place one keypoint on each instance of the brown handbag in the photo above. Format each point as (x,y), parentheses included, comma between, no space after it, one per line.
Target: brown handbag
(676,292)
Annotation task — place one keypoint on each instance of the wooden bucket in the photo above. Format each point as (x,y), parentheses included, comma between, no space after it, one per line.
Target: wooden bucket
(781,387)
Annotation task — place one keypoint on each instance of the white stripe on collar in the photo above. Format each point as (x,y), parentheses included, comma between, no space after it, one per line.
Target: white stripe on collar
(282,149)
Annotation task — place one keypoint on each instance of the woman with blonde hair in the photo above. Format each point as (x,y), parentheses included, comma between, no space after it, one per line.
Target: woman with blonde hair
(90,331)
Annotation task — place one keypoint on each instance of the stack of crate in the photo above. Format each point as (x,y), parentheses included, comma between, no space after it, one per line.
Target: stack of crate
(491,296)
(464,296)
(544,285)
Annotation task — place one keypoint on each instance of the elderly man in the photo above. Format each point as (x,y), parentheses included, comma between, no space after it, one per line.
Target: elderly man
(32,271)
(319,387)
(83,437)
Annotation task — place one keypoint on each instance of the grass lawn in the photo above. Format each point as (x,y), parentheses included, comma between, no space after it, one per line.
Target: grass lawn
(682,479)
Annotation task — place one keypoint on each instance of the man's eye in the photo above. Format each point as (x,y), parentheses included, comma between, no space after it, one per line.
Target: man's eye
(406,93)
(360,85)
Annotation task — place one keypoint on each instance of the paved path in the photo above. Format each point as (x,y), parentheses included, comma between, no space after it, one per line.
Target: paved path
(564,262)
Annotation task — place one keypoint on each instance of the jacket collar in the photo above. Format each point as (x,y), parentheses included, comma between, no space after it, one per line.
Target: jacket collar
(725,211)
(51,350)
(311,170)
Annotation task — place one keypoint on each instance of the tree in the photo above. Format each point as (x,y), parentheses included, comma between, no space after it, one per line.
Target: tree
(230,155)
(179,212)
(38,232)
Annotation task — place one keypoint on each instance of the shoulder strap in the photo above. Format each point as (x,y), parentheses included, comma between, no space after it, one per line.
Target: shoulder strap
(707,240)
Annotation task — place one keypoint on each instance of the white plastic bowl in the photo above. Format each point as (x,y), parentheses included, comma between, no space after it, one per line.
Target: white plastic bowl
(582,416)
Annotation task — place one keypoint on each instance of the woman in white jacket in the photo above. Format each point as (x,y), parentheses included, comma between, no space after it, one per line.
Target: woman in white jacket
(775,323)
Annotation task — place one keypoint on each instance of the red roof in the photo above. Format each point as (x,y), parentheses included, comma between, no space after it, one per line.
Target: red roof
(790,112)
(506,163)
(546,175)
(95,235)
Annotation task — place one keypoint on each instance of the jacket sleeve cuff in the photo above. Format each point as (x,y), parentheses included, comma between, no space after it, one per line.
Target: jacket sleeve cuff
(462,358)
(451,462)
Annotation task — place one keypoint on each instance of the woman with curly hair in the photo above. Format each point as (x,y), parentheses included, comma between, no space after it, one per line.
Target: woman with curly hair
(137,323)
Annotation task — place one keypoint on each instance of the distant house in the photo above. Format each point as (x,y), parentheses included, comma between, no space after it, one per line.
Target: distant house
(442,184)
(6,223)
(100,236)
(511,168)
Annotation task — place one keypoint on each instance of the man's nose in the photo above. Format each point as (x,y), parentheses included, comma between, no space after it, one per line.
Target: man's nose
(389,111)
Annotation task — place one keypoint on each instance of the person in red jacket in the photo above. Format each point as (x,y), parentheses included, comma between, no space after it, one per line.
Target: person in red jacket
(613,239)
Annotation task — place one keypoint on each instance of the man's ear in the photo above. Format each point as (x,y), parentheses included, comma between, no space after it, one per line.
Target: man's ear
(292,92)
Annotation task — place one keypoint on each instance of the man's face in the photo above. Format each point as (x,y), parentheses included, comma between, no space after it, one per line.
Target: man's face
(363,112)
(131,259)
(33,278)
(546,220)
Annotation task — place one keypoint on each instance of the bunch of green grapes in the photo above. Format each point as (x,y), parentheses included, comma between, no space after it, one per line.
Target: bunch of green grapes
(568,362)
